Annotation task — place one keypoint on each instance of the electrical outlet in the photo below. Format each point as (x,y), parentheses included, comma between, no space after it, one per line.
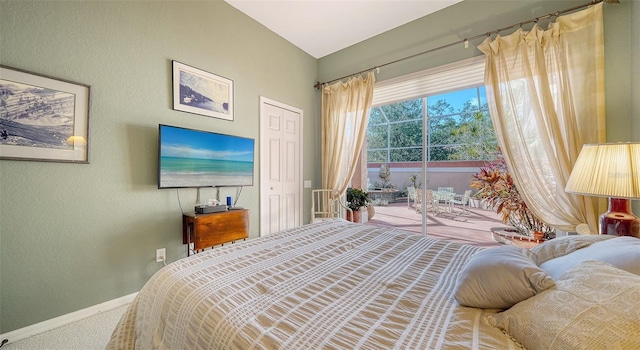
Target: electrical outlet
(161,255)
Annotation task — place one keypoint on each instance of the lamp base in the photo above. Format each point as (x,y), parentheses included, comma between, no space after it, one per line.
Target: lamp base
(619,219)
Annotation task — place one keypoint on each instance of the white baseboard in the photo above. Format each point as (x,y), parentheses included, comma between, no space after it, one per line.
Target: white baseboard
(63,320)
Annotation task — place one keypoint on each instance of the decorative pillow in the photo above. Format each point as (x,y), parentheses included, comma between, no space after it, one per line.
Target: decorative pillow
(499,277)
(593,306)
(564,245)
(621,252)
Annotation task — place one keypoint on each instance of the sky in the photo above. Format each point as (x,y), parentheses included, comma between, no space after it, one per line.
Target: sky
(189,143)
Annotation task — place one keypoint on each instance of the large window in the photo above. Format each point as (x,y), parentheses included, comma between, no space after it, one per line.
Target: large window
(458,128)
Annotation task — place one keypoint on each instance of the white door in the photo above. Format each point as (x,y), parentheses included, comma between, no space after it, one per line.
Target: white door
(280,166)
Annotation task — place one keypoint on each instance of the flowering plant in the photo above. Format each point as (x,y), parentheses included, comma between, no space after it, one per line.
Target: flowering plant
(497,189)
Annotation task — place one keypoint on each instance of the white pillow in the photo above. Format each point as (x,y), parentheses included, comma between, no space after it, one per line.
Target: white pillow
(560,246)
(499,277)
(621,252)
(593,306)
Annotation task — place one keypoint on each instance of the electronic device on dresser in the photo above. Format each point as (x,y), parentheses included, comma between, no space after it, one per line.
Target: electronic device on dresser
(206,209)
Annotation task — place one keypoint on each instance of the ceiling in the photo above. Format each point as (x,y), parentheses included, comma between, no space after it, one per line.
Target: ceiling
(321,27)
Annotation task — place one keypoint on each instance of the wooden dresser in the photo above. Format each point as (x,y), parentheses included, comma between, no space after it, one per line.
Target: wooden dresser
(208,230)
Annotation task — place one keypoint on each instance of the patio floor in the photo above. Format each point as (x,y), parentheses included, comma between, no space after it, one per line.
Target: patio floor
(471,229)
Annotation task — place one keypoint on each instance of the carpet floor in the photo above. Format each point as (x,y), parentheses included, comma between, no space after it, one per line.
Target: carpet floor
(92,333)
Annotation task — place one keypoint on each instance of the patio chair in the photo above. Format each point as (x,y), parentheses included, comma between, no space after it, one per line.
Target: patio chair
(445,189)
(463,201)
(417,202)
(445,196)
(325,206)
(411,196)
(429,199)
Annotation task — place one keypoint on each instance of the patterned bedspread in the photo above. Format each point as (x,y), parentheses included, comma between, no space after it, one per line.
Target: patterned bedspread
(329,285)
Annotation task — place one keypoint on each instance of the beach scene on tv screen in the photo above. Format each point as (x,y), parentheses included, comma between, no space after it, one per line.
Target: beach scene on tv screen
(191,158)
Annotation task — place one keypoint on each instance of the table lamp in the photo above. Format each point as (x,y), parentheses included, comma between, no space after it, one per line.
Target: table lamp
(610,170)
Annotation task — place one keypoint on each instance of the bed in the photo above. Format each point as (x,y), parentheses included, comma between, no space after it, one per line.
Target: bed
(328,285)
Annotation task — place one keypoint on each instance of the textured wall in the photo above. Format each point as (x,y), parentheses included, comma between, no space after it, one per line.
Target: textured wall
(74,235)
(634,16)
(475,17)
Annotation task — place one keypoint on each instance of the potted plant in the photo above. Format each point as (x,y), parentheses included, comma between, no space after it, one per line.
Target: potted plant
(414,180)
(356,199)
(497,190)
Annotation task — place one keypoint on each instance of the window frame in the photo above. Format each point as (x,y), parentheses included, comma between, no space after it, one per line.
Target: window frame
(425,119)
(465,74)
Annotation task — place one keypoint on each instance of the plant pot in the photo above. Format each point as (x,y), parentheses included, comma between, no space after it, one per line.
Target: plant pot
(356,216)
(371,211)
(509,235)
(537,235)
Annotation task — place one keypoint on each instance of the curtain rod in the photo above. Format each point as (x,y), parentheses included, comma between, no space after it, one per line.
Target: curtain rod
(465,41)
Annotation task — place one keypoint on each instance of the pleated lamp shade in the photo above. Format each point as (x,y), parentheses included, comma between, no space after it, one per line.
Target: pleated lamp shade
(610,170)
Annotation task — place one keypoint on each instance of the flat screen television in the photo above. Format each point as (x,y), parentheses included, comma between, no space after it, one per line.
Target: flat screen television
(197,158)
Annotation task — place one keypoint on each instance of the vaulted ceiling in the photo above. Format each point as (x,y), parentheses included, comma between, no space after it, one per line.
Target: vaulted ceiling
(321,27)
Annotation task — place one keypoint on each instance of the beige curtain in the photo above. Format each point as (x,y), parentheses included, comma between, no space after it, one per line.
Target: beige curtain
(345,114)
(546,97)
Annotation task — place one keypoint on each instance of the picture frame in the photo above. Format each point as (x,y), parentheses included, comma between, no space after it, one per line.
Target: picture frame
(43,118)
(200,92)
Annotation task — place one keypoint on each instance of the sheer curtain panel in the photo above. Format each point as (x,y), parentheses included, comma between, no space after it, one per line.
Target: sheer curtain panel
(345,115)
(545,90)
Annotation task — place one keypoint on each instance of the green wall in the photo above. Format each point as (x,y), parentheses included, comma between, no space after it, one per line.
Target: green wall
(475,17)
(634,16)
(74,235)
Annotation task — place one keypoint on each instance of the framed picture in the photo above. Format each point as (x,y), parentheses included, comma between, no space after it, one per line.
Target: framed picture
(200,92)
(43,118)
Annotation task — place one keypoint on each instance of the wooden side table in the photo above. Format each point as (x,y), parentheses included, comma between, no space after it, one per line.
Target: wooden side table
(208,230)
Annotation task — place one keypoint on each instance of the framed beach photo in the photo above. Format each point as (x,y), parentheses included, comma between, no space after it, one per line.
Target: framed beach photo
(200,92)
(43,118)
